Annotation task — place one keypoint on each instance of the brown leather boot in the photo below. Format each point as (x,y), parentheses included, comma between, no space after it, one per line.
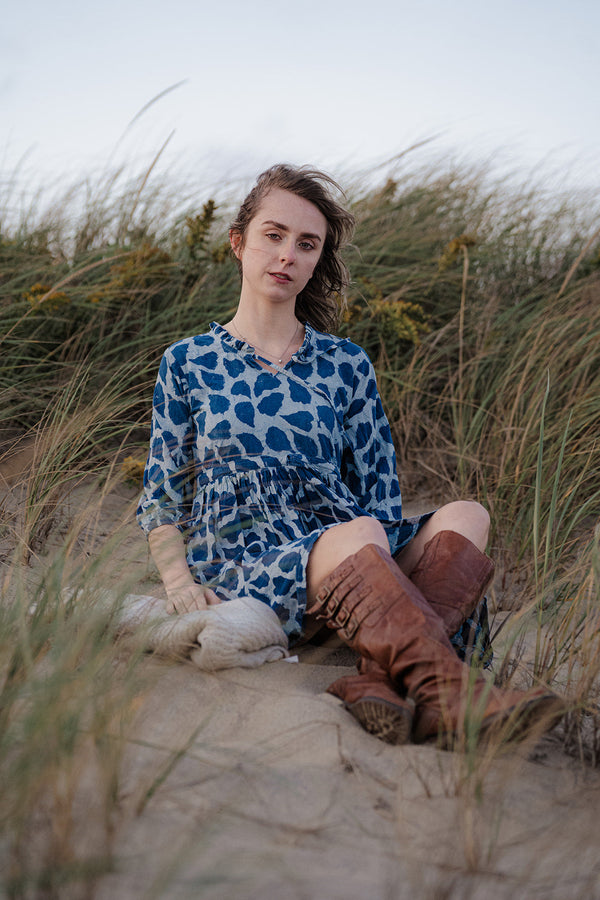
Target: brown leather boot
(452,575)
(373,700)
(381,614)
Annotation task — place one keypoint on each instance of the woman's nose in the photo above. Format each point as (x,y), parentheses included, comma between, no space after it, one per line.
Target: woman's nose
(287,251)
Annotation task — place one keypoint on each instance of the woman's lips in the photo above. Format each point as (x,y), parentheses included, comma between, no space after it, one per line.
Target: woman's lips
(280,277)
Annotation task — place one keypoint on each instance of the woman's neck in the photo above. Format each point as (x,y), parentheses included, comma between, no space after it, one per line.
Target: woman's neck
(274,332)
(260,322)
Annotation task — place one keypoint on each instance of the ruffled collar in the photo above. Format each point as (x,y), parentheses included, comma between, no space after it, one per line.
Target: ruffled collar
(315,343)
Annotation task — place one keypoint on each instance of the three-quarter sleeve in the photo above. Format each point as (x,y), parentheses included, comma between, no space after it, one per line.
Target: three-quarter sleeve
(169,472)
(369,458)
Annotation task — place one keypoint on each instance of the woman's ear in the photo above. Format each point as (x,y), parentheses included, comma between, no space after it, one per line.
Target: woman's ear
(235,239)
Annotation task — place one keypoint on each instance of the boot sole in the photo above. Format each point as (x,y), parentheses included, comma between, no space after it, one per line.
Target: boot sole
(530,719)
(384,720)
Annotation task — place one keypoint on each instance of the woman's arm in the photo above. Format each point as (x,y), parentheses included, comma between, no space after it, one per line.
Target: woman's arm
(167,494)
(369,459)
(168,552)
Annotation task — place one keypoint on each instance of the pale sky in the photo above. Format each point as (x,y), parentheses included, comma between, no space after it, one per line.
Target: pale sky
(337,84)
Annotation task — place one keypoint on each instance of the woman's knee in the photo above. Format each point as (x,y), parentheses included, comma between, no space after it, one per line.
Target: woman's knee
(467,517)
(347,538)
(362,531)
(339,542)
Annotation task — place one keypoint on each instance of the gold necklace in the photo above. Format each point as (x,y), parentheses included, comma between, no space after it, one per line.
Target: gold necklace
(289,344)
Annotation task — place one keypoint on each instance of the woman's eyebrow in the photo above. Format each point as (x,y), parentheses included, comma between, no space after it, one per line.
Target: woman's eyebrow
(306,234)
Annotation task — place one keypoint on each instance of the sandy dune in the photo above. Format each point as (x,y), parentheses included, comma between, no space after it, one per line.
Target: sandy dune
(277,793)
(257,784)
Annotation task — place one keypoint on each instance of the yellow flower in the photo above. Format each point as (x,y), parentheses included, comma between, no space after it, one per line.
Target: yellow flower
(452,250)
(42,296)
(395,318)
(404,320)
(132,469)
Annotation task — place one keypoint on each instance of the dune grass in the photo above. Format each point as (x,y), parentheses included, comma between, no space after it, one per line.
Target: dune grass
(479,303)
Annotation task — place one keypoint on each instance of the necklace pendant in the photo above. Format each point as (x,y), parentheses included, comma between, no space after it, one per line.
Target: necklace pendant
(255,348)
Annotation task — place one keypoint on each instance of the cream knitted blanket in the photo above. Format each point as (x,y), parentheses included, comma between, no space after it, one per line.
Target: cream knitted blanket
(239,632)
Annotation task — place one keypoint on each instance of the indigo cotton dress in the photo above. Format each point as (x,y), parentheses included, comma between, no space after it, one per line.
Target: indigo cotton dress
(253,466)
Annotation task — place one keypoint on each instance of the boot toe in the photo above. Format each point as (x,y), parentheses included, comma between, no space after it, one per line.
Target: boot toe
(534,714)
(529,715)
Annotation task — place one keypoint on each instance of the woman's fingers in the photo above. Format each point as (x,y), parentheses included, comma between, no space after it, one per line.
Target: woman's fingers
(211,597)
(190,598)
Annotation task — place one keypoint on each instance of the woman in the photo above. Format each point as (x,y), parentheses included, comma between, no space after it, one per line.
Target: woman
(272,473)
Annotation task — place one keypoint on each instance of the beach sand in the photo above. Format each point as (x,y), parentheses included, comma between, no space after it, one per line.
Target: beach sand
(258,784)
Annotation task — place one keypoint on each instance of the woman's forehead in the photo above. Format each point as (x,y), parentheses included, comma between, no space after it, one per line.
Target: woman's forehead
(294,212)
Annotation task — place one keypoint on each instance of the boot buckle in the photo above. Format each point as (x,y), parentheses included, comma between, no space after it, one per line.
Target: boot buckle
(349,630)
(342,617)
(322,596)
(332,605)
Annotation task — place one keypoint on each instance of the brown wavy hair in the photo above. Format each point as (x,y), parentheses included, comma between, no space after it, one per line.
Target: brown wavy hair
(321,301)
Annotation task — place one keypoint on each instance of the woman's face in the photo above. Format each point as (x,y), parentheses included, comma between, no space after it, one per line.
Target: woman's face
(281,247)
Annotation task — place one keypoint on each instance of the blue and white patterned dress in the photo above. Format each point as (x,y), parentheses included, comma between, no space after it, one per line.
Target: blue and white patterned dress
(252,466)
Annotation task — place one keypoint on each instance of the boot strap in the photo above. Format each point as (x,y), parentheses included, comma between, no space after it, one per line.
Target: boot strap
(331,597)
(346,617)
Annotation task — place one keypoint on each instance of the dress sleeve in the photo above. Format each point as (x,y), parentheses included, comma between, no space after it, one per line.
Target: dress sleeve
(369,457)
(169,472)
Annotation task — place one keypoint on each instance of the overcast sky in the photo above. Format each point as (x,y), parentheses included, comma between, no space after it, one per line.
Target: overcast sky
(339,84)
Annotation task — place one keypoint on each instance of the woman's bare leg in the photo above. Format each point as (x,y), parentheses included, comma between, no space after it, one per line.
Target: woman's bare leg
(463,516)
(372,698)
(336,544)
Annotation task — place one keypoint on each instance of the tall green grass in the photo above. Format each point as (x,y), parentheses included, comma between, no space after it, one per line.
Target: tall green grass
(479,303)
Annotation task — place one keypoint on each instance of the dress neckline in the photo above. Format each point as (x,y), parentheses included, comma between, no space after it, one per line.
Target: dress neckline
(242,345)
(315,343)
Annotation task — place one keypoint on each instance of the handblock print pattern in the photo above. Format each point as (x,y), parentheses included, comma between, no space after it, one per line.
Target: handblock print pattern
(252,465)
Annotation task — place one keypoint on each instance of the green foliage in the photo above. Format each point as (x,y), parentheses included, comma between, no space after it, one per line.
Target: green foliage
(457,295)
(479,303)
(109,295)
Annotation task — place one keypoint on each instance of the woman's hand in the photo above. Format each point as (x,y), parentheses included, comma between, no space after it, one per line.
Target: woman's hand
(183,593)
(188,597)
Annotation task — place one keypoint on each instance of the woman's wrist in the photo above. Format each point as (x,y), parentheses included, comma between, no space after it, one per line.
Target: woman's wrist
(177,582)
(168,551)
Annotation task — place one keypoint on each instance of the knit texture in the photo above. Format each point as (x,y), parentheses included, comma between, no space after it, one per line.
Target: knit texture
(241,632)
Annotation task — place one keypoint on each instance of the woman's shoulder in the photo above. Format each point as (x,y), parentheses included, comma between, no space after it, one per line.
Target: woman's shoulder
(341,349)
(189,348)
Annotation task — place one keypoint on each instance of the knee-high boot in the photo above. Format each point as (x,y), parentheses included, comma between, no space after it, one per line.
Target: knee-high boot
(381,614)
(452,575)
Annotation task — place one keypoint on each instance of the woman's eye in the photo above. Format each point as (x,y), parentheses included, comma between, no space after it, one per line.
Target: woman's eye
(306,245)
(273,235)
